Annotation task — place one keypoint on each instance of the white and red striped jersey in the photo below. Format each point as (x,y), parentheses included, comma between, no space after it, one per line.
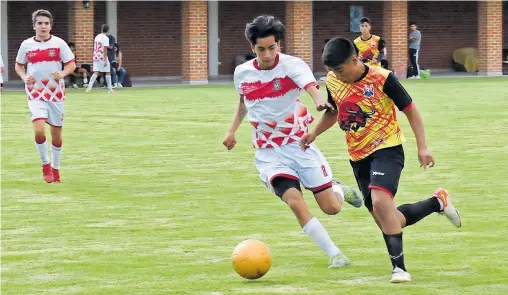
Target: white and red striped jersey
(100,41)
(43,60)
(271,98)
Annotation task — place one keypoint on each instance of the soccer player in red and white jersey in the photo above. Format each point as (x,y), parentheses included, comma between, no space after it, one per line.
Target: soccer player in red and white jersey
(43,56)
(100,59)
(269,87)
(2,71)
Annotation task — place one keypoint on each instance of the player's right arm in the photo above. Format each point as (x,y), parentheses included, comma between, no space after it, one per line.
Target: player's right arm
(21,60)
(240,113)
(327,121)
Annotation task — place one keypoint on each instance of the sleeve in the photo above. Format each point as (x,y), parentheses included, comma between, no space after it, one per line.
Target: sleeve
(382,44)
(330,98)
(397,93)
(301,74)
(66,55)
(105,41)
(238,82)
(21,57)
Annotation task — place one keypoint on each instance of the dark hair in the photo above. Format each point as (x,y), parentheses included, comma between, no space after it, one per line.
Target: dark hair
(326,40)
(337,51)
(365,20)
(264,26)
(412,23)
(71,44)
(105,28)
(42,12)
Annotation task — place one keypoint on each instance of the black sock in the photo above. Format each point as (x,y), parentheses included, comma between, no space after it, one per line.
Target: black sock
(394,246)
(73,79)
(417,211)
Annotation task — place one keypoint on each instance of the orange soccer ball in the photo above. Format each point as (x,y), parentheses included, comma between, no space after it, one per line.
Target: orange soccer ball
(252,259)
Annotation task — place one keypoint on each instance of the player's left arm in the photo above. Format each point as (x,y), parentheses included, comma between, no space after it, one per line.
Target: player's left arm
(404,103)
(67,57)
(301,74)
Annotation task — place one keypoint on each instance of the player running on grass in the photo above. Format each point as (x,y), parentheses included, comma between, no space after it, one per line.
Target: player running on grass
(365,98)
(269,88)
(43,56)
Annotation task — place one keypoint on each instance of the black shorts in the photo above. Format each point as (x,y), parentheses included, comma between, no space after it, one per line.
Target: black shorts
(380,170)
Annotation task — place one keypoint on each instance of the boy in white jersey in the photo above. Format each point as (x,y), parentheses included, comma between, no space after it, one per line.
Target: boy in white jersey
(269,87)
(100,59)
(43,56)
(2,71)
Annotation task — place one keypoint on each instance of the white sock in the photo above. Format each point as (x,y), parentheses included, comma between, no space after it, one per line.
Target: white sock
(56,154)
(339,192)
(108,81)
(315,230)
(92,81)
(85,79)
(42,148)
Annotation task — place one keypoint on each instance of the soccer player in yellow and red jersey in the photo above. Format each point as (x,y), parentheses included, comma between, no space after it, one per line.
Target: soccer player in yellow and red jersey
(365,98)
(369,47)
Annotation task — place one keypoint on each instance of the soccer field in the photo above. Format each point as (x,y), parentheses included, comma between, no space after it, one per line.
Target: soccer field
(152,203)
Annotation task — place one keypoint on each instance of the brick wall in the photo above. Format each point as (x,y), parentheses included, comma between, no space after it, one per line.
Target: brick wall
(99,16)
(331,19)
(81,30)
(299,30)
(505,25)
(194,16)
(490,17)
(395,33)
(445,26)
(20,25)
(233,16)
(150,41)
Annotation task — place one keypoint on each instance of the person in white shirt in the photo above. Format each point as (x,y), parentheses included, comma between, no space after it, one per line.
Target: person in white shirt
(100,59)
(43,56)
(2,71)
(269,87)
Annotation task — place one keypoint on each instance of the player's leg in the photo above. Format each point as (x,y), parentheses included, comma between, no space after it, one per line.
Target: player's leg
(96,67)
(316,175)
(85,69)
(55,120)
(284,183)
(39,115)
(385,170)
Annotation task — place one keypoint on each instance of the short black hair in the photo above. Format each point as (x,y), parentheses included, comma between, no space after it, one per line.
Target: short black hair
(264,26)
(326,40)
(105,28)
(412,23)
(337,51)
(365,20)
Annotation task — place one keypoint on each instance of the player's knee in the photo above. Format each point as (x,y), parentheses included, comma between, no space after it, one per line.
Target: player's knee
(331,209)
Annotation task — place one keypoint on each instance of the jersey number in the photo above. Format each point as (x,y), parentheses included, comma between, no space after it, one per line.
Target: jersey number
(324,170)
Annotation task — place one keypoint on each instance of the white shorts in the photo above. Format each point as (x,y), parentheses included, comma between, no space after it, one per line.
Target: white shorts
(309,167)
(98,66)
(51,112)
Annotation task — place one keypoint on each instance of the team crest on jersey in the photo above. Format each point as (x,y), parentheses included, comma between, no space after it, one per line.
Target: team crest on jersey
(51,52)
(373,44)
(368,91)
(276,84)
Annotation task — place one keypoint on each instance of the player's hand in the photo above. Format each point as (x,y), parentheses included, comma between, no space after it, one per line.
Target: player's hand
(105,63)
(324,105)
(58,76)
(29,80)
(426,159)
(306,140)
(229,140)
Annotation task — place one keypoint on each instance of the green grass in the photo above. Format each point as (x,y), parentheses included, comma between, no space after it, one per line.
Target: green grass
(152,203)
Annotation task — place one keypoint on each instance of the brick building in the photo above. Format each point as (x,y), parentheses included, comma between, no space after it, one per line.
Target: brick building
(196,40)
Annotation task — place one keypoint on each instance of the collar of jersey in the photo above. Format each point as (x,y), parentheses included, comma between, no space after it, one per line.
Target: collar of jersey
(50,36)
(273,66)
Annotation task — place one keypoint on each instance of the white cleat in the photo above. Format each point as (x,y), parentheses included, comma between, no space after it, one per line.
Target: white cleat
(339,260)
(351,195)
(449,210)
(400,276)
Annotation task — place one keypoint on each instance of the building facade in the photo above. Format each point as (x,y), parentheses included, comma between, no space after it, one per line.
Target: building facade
(196,40)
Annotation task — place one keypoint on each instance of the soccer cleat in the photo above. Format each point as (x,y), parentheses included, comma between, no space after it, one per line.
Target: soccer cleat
(56,175)
(338,261)
(449,210)
(400,276)
(351,195)
(47,173)
(88,91)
